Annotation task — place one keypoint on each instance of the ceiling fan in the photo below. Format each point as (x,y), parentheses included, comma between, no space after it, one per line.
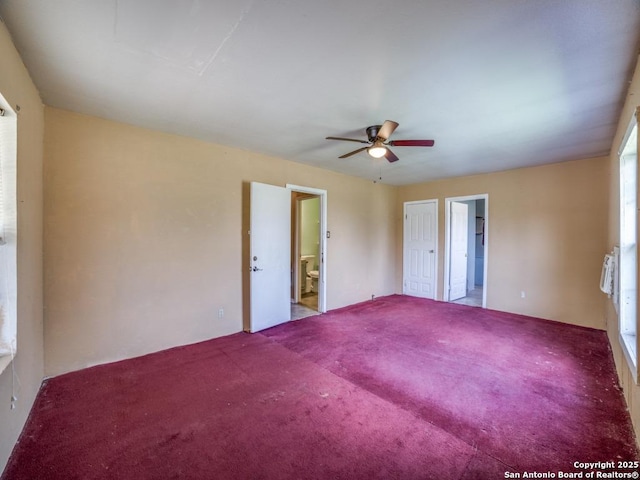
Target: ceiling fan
(379,140)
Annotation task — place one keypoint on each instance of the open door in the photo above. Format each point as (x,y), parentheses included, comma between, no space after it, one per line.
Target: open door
(459,246)
(270,250)
(466,250)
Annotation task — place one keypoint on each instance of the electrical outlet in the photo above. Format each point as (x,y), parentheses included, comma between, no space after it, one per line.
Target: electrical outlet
(220,312)
(522,294)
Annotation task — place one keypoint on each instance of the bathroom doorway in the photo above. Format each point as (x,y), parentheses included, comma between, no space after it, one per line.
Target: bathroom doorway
(466,231)
(308,252)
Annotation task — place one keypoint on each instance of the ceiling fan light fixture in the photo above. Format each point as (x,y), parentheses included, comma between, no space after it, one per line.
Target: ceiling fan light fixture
(377,151)
(378,139)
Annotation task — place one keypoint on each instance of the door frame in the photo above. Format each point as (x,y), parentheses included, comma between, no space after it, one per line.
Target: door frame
(447,242)
(322,261)
(404,243)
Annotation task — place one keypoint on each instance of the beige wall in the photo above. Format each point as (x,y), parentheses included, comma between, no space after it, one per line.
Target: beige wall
(631,390)
(546,237)
(26,375)
(144,237)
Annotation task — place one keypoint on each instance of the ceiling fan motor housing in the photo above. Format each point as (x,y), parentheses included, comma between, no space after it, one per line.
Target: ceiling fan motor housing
(372,132)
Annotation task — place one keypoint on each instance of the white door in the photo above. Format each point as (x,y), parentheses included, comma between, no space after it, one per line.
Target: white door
(459,221)
(270,246)
(419,252)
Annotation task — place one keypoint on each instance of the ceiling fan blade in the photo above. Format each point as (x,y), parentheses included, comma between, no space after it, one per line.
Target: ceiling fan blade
(354,152)
(411,143)
(391,156)
(347,139)
(388,127)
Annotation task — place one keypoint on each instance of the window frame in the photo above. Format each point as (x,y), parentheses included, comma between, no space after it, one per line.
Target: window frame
(8,234)
(628,280)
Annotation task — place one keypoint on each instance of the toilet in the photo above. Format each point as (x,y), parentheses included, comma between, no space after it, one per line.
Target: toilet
(313,275)
(306,267)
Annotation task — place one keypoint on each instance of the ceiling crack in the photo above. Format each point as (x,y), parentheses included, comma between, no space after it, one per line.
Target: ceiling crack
(234,27)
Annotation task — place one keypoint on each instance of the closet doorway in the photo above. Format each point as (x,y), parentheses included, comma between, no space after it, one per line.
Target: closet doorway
(466,234)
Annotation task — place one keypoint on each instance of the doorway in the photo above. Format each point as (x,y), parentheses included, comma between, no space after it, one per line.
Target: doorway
(466,233)
(308,251)
(269,218)
(305,258)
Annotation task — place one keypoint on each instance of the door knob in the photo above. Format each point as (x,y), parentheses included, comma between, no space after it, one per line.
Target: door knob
(256,269)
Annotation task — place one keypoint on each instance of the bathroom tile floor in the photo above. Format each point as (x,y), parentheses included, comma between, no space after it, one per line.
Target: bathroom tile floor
(298,311)
(310,300)
(473,298)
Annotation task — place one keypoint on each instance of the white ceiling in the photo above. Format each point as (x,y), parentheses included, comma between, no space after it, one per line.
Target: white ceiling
(498,84)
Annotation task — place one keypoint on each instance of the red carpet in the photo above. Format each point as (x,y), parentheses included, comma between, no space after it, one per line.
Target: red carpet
(397,388)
